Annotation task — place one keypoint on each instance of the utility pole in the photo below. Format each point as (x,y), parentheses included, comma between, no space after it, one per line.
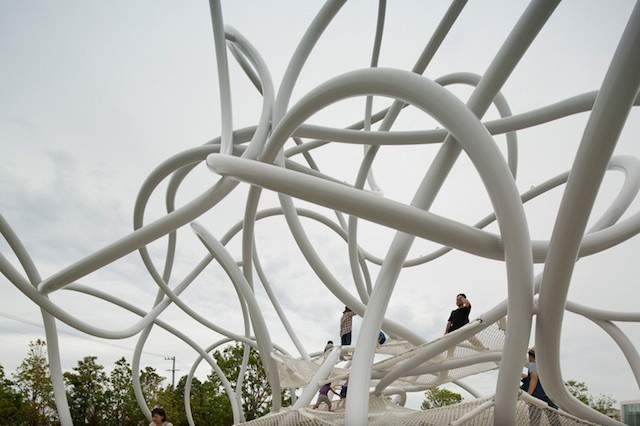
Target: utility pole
(173,370)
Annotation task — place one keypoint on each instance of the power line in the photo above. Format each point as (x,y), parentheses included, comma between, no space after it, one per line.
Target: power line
(73,334)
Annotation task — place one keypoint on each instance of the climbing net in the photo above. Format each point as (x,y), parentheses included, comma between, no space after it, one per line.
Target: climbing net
(276,155)
(383,411)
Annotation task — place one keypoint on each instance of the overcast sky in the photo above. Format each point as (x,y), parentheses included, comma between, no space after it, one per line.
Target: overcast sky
(95,95)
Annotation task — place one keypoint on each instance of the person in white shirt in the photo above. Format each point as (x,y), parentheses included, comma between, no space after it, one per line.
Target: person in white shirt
(159,417)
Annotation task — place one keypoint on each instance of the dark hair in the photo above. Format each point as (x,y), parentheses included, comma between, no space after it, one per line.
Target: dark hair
(463,295)
(159,411)
(330,342)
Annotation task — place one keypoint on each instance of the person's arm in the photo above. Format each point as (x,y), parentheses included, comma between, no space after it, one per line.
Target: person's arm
(533,382)
(446,329)
(465,302)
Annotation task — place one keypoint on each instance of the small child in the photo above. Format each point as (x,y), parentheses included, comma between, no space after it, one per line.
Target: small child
(343,394)
(327,349)
(328,346)
(323,396)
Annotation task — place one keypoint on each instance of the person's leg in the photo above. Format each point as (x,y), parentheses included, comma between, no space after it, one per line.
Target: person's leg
(442,375)
(450,351)
(477,344)
(317,404)
(346,339)
(326,400)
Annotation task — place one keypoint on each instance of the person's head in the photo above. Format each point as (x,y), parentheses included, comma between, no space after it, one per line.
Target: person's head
(459,299)
(532,354)
(346,309)
(158,415)
(330,342)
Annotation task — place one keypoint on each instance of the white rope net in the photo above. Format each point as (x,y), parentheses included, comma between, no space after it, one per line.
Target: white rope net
(382,411)
(298,372)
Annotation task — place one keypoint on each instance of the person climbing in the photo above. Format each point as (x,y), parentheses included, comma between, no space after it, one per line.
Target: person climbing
(323,396)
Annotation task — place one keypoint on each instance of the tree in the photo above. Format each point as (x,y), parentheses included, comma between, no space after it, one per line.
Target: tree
(10,400)
(150,382)
(124,409)
(579,390)
(604,404)
(213,403)
(33,378)
(171,399)
(256,391)
(88,392)
(209,403)
(601,403)
(436,397)
(209,406)
(203,398)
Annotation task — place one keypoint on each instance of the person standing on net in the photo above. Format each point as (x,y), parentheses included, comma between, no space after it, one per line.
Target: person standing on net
(460,316)
(346,326)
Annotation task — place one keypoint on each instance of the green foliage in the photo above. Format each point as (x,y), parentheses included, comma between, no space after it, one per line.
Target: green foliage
(33,379)
(256,391)
(208,404)
(579,390)
(436,397)
(151,382)
(10,400)
(171,399)
(88,392)
(123,407)
(212,400)
(97,399)
(601,403)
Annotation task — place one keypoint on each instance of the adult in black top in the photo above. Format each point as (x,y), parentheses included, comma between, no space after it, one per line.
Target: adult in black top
(460,316)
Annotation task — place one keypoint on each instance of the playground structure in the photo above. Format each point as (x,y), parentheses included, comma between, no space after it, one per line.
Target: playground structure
(259,157)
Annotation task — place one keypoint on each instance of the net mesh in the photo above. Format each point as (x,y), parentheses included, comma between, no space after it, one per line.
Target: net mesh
(488,340)
(298,373)
(382,411)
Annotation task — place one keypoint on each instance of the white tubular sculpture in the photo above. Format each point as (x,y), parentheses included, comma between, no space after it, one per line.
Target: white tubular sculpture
(259,158)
